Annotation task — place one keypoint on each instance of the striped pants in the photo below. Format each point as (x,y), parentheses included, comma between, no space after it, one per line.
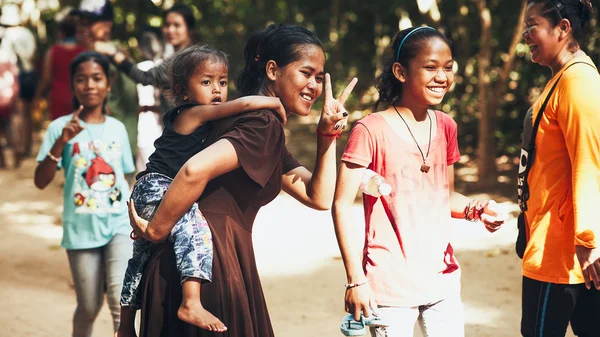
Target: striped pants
(548,308)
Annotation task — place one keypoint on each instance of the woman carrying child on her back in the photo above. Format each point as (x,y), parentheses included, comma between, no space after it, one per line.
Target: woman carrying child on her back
(199,82)
(405,269)
(244,167)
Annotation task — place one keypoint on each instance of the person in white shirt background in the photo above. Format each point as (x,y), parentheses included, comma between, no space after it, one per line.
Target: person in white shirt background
(149,120)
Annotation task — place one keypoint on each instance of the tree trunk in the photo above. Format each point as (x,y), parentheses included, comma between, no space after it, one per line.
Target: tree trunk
(463,47)
(334,28)
(500,86)
(490,96)
(486,151)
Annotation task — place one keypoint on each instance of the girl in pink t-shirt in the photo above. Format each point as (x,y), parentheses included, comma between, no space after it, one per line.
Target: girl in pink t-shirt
(404,268)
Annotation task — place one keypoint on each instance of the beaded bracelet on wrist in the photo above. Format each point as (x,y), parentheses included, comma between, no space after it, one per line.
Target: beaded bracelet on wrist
(354,285)
(54,159)
(474,210)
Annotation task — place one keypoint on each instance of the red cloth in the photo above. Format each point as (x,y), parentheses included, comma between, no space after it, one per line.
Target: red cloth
(61,96)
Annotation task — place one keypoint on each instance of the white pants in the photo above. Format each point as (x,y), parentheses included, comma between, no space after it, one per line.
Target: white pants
(444,318)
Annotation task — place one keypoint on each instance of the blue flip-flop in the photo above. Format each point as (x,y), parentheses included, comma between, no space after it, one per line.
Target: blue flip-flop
(375,321)
(350,327)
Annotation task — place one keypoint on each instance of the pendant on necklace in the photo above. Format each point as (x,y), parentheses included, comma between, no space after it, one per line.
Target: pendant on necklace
(425,168)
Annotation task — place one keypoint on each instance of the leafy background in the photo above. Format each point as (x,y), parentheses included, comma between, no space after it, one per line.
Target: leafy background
(495,80)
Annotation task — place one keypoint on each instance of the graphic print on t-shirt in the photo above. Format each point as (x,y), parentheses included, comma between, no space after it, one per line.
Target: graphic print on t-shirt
(95,188)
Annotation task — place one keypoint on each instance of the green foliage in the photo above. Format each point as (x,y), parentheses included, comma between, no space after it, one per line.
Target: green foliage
(356,35)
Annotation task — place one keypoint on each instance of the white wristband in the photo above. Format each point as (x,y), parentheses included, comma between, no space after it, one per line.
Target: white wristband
(55,159)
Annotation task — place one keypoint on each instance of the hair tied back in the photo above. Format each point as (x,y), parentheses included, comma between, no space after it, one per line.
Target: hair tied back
(559,5)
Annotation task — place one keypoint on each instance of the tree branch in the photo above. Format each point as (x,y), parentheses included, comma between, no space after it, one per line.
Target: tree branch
(512,54)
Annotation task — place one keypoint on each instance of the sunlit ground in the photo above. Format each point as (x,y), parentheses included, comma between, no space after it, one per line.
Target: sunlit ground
(297,255)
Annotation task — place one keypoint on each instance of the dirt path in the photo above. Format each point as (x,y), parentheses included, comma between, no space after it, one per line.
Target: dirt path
(297,255)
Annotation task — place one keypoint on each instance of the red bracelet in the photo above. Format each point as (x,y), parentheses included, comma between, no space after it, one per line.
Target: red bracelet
(474,210)
(469,211)
(479,209)
(337,135)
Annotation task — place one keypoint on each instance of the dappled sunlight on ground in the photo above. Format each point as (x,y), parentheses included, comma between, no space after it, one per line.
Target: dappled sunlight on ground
(41,230)
(303,273)
(297,255)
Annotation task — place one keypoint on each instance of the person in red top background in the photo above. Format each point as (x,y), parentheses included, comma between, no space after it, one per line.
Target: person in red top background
(55,73)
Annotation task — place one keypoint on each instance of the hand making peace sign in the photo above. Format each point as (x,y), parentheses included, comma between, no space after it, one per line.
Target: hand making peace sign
(333,115)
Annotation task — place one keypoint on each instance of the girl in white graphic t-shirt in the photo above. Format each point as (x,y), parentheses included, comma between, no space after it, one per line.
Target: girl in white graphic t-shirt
(403,268)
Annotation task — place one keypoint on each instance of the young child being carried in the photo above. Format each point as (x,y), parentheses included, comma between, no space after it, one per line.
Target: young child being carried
(198,84)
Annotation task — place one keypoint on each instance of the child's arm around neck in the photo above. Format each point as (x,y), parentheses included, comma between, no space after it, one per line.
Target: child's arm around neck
(192,118)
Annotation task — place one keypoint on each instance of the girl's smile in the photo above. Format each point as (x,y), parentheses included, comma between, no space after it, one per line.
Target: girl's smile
(429,75)
(300,83)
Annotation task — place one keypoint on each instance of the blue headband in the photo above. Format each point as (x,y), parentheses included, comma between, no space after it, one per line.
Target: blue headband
(406,36)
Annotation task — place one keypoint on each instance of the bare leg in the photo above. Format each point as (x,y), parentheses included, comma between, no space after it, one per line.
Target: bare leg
(27,129)
(2,159)
(2,136)
(127,326)
(191,310)
(17,125)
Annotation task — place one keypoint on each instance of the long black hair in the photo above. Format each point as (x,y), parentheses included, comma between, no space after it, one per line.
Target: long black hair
(578,12)
(282,44)
(389,87)
(86,56)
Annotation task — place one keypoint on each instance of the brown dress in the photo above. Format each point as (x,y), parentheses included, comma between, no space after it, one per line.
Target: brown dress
(229,203)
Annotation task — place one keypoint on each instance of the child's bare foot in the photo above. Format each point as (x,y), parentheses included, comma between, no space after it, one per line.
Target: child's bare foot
(192,312)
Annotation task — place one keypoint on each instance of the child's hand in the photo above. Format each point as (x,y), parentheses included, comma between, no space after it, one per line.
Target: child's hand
(492,217)
(360,300)
(72,128)
(105,48)
(280,110)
